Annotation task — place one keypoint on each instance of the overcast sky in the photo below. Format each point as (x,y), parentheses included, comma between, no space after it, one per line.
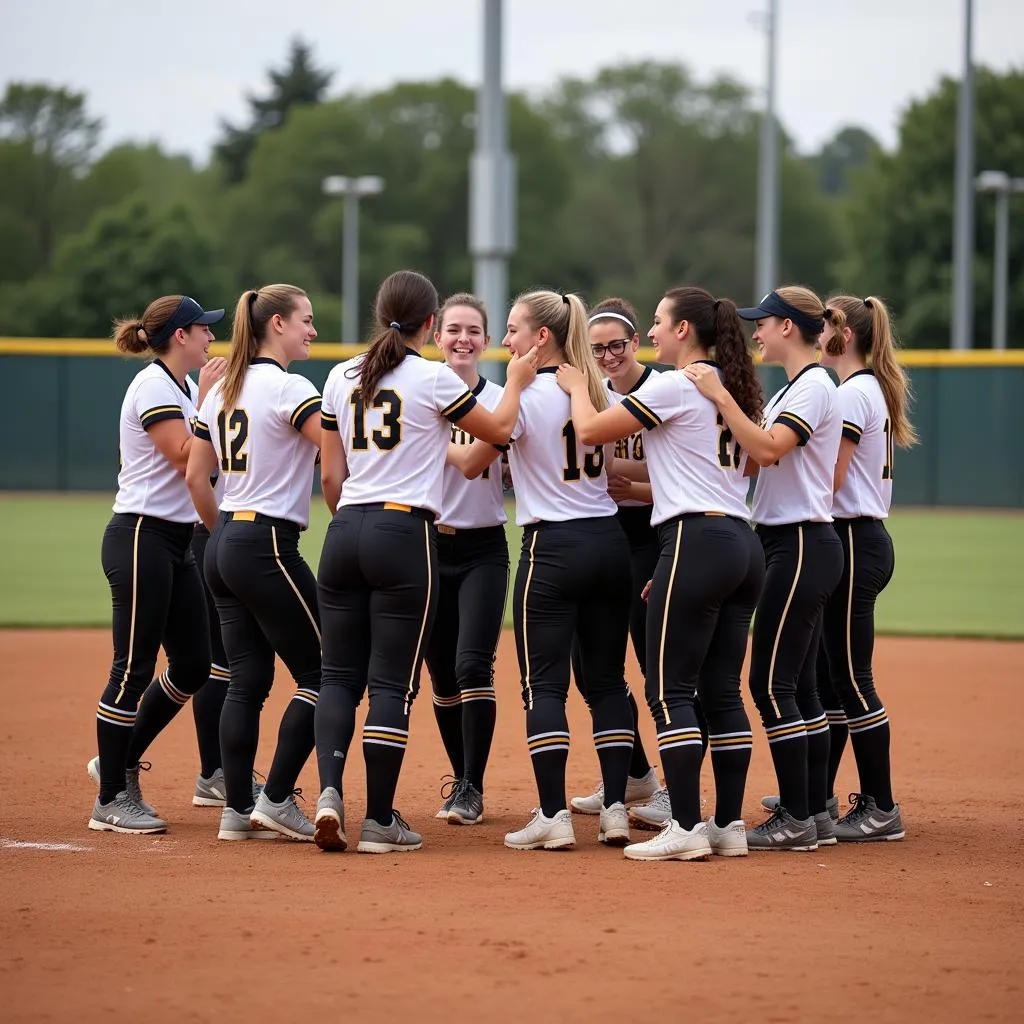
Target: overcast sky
(169,71)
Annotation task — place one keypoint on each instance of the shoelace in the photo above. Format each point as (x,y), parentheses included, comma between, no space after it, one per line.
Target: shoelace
(857,811)
(402,823)
(774,821)
(450,783)
(661,800)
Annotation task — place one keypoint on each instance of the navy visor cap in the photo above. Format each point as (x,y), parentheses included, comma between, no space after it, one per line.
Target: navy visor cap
(774,304)
(189,312)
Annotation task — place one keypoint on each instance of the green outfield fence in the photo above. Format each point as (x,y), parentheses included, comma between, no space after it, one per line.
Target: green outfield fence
(64,396)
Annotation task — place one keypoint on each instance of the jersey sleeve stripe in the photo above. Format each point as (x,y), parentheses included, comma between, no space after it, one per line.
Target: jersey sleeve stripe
(641,412)
(327,421)
(308,408)
(800,427)
(160,413)
(202,431)
(851,431)
(463,404)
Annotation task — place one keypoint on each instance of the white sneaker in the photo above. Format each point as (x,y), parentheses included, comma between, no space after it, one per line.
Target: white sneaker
(655,814)
(544,833)
(637,791)
(730,841)
(673,842)
(614,825)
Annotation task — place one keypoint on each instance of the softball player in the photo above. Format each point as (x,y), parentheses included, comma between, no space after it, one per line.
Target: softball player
(260,429)
(614,342)
(472,563)
(792,510)
(155,588)
(873,396)
(710,568)
(386,417)
(573,581)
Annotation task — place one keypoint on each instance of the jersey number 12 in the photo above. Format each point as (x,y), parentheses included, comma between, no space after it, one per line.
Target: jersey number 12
(233,428)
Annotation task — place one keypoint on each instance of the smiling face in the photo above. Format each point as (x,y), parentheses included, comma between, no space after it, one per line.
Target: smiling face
(462,336)
(194,344)
(614,348)
(773,337)
(521,336)
(295,332)
(665,333)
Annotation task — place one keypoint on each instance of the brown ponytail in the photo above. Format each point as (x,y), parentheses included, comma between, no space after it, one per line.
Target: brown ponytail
(875,340)
(718,328)
(565,317)
(131,335)
(253,312)
(405,301)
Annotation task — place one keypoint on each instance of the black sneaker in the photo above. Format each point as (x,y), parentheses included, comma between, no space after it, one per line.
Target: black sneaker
(467,804)
(867,824)
(449,789)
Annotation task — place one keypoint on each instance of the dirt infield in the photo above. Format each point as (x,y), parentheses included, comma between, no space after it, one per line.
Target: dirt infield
(183,928)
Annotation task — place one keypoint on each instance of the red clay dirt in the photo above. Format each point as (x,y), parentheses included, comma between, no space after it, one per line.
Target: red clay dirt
(186,928)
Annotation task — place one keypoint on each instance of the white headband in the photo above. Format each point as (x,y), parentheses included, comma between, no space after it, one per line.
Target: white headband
(614,316)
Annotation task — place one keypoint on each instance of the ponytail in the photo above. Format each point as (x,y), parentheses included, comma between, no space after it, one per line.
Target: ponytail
(405,301)
(871,332)
(132,334)
(890,375)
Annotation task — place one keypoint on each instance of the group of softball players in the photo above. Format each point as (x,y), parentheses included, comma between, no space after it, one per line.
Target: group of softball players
(631,487)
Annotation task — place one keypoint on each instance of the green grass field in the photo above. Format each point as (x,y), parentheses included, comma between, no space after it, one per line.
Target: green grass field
(957,573)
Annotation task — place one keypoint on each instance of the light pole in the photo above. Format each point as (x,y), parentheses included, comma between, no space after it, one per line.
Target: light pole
(353,189)
(766,268)
(963,217)
(1002,185)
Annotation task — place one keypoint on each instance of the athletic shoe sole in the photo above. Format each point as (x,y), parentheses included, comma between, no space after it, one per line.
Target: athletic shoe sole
(895,837)
(209,801)
(256,833)
(265,821)
(328,834)
(454,818)
(810,848)
(367,847)
(734,852)
(105,826)
(699,854)
(614,837)
(547,844)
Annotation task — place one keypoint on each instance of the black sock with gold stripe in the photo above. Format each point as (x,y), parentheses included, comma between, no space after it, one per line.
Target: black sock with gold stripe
(294,745)
(547,737)
(680,747)
(614,738)
(448,713)
(385,736)
(731,742)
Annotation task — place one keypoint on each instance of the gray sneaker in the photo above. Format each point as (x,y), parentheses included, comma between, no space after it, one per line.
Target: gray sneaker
(654,815)
(131,782)
(867,824)
(826,829)
(783,832)
(123,814)
(769,803)
(467,806)
(286,818)
(236,825)
(211,792)
(451,784)
(329,824)
(394,838)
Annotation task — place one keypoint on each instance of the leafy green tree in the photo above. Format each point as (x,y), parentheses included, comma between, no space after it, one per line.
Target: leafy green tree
(850,149)
(298,83)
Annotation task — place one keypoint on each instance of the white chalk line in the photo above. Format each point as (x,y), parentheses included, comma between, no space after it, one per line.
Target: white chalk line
(20,844)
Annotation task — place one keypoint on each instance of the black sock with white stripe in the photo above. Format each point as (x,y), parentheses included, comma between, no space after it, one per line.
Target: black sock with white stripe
(614,738)
(385,736)
(448,712)
(817,763)
(160,703)
(838,731)
(547,736)
(114,727)
(294,745)
(731,742)
(207,703)
(680,747)
(787,742)
(870,737)
(639,765)
(479,713)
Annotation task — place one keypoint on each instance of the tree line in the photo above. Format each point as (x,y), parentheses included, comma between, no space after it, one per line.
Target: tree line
(629,182)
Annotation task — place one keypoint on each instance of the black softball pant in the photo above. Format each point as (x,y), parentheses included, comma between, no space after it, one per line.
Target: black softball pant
(157,599)
(209,699)
(377,584)
(848,688)
(472,586)
(266,601)
(804,562)
(573,582)
(708,578)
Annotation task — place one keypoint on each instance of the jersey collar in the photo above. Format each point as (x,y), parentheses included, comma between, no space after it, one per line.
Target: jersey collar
(479,386)
(861,373)
(548,369)
(413,352)
(267,360)
(640,381)
(183,388)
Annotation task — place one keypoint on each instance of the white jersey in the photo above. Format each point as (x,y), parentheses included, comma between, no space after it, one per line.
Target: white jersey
(396,447)
(798,488)
(631,448)
(147,483)
(867,488)
(265,462)
(556,478)
(474,504)
(695,465)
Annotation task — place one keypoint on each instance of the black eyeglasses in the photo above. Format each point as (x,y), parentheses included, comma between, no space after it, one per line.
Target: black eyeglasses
(616,347)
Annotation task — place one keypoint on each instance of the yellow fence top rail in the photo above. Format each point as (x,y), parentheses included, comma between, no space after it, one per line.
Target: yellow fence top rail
(335,352)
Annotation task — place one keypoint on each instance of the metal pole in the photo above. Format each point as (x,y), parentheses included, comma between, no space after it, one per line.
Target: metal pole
(963,224)
(999,270)
(492,187)
(350,267)
(766,267)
